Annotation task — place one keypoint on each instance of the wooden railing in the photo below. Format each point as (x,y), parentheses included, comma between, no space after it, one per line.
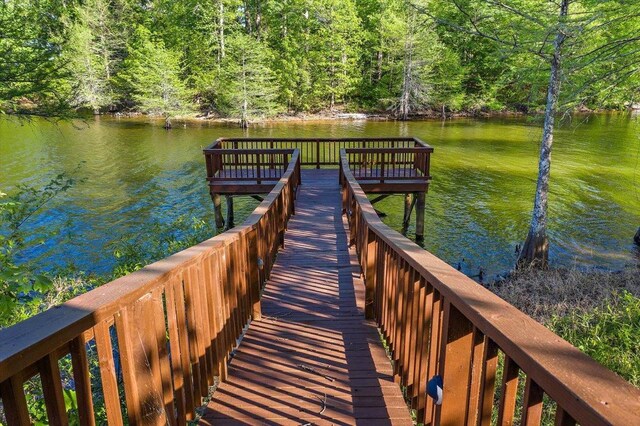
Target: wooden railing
(256,165)
(380,164)
(316,151)
(437,321)
(156,338)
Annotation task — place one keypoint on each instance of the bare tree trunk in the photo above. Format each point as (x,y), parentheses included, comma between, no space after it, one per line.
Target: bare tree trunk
(405,97)
(221,29)
(535,250)
(244,119)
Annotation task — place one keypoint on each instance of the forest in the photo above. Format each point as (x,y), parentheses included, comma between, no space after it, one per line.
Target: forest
(251,59)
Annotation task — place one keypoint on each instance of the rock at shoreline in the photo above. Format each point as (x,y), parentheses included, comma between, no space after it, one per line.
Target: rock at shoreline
(353,116)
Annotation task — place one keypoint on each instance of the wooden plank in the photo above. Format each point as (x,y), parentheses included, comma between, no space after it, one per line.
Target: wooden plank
(14,401)
(179,395)
(487,386)
(108,373)
(82,381)
(509,392)
(563,418)
(477,369)
(185,347)
(455,366)
(161,347)
(312,337)
(532,407)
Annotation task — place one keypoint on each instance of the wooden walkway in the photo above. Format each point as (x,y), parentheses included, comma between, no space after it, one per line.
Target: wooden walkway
(312,358)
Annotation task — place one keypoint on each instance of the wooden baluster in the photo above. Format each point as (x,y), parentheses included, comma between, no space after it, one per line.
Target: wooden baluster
(419,388)
(411,341)
(52,390)
(82,380)
(488,382)
(398,314)
(210,311)
(435,341)
(379,281)
(195,326)
(179,359)
(140,363)
(220,315)
(166,377)
(563,418)
(455,365)
(403,326)
(532,408)
(14,401)
(204,324)
(477,371)
(258,169)
(108,373)
(509,392)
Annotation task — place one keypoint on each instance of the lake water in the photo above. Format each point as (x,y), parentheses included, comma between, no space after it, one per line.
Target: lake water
(478,206)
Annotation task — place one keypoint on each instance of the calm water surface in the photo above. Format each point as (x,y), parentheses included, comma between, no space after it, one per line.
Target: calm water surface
(478,206)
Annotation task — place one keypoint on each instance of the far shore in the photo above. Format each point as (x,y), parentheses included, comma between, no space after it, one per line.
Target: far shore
(328,116)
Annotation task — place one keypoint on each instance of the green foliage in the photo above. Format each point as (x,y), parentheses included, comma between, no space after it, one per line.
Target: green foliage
(31,39)
(19,284)
(171,58)
(151,76)
(608,334)
(247,86)
(161,240)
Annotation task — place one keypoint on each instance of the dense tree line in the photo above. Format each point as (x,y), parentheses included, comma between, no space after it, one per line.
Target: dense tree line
(252,58)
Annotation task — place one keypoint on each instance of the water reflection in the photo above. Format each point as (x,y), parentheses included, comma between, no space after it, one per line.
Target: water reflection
(478,207)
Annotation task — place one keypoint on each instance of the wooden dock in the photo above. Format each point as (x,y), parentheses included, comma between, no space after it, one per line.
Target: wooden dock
(312,357)
(286,314)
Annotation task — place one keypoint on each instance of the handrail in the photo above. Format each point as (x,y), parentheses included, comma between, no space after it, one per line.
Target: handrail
(438,321)
(317,151)
(171,326)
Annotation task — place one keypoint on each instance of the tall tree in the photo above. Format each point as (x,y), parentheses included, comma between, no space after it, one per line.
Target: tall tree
(249,83)
(562,36)
(31,42)
(94,42)
(151,74)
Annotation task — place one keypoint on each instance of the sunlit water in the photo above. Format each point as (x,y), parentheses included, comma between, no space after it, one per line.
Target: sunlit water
(478,206)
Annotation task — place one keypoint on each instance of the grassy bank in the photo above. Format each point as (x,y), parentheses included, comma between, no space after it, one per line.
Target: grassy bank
(596,311)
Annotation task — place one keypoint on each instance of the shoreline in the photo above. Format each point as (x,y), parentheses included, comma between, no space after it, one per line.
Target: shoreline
(328,116)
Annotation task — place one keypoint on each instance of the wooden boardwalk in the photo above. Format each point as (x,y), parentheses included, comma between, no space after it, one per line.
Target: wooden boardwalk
(312,358)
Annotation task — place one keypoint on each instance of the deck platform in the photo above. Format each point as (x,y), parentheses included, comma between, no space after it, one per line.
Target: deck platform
(312,358)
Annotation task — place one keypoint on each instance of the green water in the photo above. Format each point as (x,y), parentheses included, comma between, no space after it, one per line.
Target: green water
(478,206)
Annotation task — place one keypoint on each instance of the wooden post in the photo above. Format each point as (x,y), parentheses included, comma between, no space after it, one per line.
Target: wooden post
(408,206)
(254,275)
(420,216)
(217,208)
(230,218)
(370,275)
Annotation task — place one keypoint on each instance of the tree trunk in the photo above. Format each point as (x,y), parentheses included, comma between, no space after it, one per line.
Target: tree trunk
(407,84)
(221,29)
(167,123)
(535,250)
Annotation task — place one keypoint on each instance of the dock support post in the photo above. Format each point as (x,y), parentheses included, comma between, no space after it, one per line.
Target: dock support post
(217,208)
(230,218)
(409,203)
(420,215)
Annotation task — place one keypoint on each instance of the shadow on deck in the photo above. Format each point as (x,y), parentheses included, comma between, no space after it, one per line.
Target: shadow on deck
(312,358)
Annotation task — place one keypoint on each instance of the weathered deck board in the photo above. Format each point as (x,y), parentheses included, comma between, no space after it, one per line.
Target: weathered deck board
(313,344)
